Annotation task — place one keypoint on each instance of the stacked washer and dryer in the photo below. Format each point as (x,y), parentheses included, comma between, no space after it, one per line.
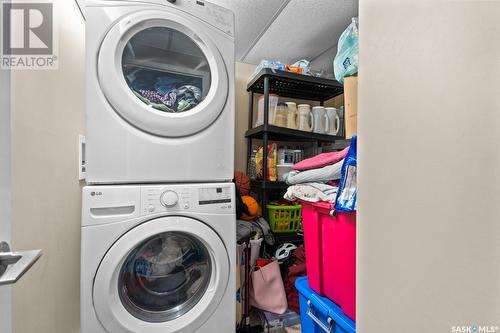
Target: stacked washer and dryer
(158,213)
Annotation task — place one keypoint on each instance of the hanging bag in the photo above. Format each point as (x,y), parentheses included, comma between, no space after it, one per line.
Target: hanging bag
(267,291)
(348,190)
(346,60)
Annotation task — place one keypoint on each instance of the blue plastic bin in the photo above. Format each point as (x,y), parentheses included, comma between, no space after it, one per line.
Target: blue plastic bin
(320,315)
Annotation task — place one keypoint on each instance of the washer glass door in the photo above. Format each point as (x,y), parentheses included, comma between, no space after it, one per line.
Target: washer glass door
(162,72)
(168,274)
(164,276)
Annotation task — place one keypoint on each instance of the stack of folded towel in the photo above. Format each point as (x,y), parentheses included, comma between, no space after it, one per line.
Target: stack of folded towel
(314,179)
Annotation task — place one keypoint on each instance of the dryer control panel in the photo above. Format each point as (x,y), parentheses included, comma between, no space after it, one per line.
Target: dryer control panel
(195,198)
(217,16)
(214,195)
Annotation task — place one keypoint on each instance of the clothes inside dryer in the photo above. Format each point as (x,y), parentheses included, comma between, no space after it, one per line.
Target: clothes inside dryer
(166,69)
(165,276)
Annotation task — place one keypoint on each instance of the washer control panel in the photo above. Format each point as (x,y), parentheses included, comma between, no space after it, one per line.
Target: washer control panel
(214,195)
(208,198)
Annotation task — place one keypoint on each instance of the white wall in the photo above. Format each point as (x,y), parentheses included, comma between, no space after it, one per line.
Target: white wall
(47,116)
(429,161)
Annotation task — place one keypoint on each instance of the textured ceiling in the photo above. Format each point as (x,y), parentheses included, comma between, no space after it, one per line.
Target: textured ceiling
(290,30)
(251,17)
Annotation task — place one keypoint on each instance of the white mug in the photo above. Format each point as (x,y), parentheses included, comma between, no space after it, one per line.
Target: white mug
(305,118)
(333,120)
(321,124)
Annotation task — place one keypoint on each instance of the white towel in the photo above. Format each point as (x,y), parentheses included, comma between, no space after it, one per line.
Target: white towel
(321,175)
(312,192)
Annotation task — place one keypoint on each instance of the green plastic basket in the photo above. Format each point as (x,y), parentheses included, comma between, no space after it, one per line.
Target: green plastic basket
(284,218)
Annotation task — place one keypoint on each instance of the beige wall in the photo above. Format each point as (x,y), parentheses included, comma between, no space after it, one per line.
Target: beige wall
(242,75)
(429,181)
(47,116)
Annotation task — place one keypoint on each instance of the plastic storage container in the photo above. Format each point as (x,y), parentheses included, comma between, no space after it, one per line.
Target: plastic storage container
(330,243)
(319,314)
(272,322)
(273,103)
(283,170)
(281,115)
(284,218)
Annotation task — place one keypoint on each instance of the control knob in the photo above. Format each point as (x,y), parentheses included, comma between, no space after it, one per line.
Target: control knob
(169,198)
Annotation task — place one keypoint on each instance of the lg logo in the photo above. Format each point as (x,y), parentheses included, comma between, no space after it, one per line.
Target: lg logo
(28,28)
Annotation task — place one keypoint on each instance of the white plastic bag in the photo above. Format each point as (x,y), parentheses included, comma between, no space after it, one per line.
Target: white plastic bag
(346,60)
(275,65)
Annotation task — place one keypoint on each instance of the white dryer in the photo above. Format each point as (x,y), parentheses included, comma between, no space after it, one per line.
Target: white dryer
(158,259)
(159,91)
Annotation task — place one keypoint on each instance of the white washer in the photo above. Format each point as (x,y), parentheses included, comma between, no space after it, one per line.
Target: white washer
(159,91)
(158,259)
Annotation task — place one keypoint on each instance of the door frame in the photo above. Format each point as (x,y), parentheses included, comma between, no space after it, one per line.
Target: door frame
(5,191)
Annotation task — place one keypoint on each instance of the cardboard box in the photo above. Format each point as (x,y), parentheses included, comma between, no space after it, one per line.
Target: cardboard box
(351,106)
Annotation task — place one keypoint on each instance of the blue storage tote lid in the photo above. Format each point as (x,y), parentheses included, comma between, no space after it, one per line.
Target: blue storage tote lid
(311,303)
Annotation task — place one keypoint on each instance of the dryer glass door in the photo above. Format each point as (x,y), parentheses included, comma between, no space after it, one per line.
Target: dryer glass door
(165,275)
(162,72)
(165,69)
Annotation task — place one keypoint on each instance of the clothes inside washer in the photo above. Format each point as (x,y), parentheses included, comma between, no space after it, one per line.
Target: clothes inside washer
(165,272)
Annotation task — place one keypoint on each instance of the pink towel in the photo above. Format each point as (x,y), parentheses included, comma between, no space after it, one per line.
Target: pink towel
(321,160)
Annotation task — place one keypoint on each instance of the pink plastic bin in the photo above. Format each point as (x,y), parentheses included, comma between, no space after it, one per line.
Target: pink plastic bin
(330,243)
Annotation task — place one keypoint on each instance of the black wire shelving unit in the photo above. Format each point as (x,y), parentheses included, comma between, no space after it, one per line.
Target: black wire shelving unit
(294,86)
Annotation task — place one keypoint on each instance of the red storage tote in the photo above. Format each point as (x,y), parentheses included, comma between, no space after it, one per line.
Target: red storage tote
(330,243)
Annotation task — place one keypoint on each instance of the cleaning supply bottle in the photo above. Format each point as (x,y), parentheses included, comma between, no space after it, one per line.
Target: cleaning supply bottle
(252,172)
(272,159)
